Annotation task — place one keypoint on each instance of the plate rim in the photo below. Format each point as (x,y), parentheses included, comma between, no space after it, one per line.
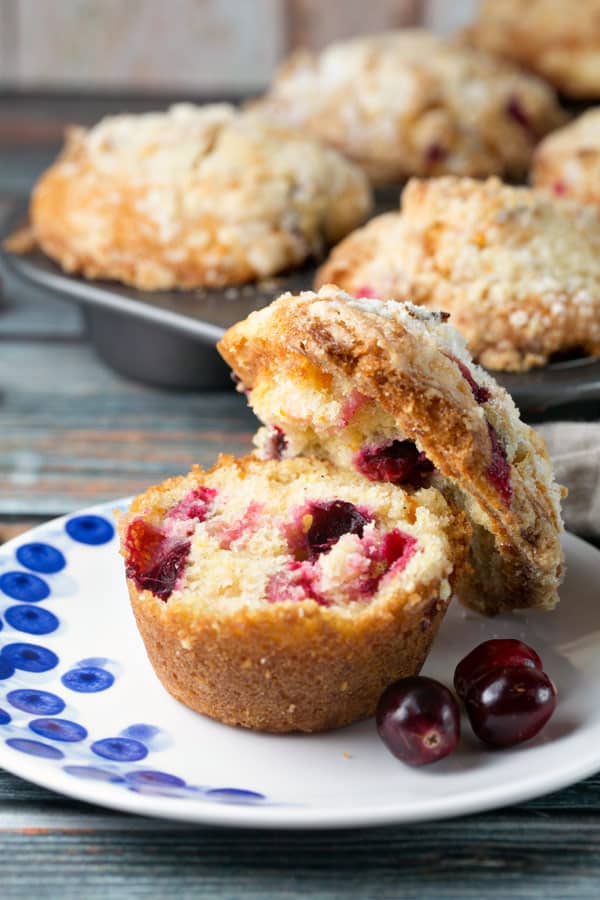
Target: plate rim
(287,815)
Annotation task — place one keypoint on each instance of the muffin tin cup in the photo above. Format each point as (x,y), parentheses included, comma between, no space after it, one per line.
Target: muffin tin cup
(168,338)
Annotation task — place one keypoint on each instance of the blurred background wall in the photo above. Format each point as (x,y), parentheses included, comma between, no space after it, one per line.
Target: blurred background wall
(190,45)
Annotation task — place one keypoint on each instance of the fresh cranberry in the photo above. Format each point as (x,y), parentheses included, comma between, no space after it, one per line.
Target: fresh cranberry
(498,470)
(154,562)
(398,462)
(480,392)
(397,549)
(296,582)
(510,705)
(418,720)
(515,110)
(195,505)
(330,520)
(494,654)
(276,443)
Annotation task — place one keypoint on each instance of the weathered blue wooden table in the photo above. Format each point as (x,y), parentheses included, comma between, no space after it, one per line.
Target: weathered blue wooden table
(70,434)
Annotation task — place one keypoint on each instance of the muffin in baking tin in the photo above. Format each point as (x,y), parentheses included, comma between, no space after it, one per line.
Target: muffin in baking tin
(286,595)
(388,390)
(411,103)
(194,196)
(554,38)
(567,161)
(518,270)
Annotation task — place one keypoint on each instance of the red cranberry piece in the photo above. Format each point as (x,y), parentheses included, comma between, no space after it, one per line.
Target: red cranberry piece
(398,462)
(499,468)
(330,520)
(294,583)
(153,561)
(195,505)
(418,720)
(499,653)
(397,548)
(559,188)
(276,443)
(515,110)
(435,153)
(510,705)
(352,405)
(366,291)
(480,392)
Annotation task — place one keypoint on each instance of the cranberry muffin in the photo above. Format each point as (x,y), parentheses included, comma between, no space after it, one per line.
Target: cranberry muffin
(567,162)
(194,196)
(388,390)
(410,103)
(518,270)
(554,38)
(286,595)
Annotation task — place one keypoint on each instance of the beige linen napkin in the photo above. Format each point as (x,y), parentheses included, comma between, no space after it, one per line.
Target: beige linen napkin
(575,451)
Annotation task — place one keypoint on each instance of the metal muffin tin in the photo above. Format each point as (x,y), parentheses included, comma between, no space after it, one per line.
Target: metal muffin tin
(168,338)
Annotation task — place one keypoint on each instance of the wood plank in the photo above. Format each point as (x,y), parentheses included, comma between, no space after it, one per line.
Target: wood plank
(74,433)
(504,855)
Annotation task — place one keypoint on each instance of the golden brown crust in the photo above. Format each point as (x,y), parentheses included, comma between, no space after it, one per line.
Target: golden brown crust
(411,103)
(404,368)
(157,201)
(556,39)
(518,271)
(273,671)
(284,667)
(567,162)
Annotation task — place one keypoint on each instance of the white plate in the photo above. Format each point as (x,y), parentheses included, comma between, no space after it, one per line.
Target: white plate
(116,738)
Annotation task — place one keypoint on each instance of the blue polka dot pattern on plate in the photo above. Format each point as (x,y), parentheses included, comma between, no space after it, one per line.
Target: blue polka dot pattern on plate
(93,773)
(41,558)
(94,661)
(29,657)
(88,679)
(7,670)
(90,529)
(40,703)
(24,587)
(153,778)
(59,730)
(35,748)
(234,795)
(154,738)
(120,749)
(31,619)
(4,717)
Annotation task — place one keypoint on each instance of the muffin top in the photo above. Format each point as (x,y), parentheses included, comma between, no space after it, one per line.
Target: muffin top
(567,162)
(388,389)
(193,196)
(518,270)
(558,40)
(408,102)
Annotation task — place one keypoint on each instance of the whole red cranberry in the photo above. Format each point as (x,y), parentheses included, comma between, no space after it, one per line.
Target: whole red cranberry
(418,720)
(510,705)
(494,654)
